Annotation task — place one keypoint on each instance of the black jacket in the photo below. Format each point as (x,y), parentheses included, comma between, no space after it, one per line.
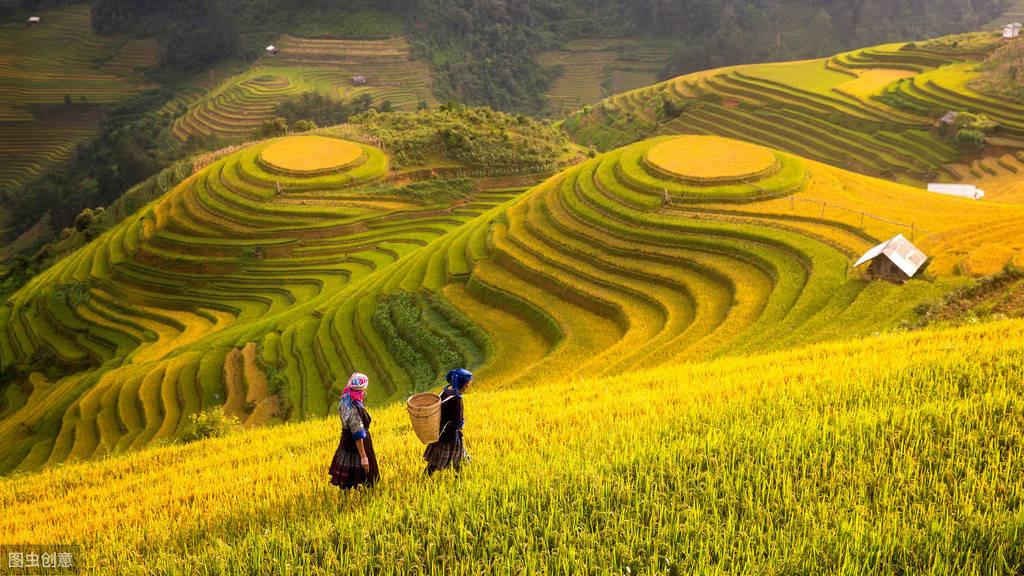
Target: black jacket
(451,416)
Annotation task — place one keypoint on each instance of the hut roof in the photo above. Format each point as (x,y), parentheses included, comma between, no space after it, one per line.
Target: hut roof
(34,19)
(271,48)
(900,251)
(948,117)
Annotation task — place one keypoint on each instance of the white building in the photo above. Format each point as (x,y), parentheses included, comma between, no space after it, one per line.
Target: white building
(1012,30)
(961,190)
(34,20)
(272,49)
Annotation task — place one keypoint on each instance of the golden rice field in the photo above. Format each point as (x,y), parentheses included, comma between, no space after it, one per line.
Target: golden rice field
(709,158)
(679,371)
(306,154)
(892,454)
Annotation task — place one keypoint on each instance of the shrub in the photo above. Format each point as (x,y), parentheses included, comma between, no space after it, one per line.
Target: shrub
(271,128)
(72,294)
(213,423)
(303,126)
(970,139)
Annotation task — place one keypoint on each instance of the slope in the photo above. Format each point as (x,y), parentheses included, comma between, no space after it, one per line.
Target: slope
(873,111)
(241,102)
(39,67)
(894,454)
(264,263)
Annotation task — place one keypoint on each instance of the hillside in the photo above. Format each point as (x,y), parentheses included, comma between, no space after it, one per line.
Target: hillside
(230,290)
(232,109)
(225,254)
(872,111)
(39,67)
(896,454)
(594,68)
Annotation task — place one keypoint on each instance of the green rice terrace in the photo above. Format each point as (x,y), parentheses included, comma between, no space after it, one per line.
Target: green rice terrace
(261,279)
(238,104)
(594,68)
(42,65)
(875,111)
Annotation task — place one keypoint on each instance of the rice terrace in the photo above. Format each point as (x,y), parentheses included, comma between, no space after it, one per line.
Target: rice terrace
(462,287)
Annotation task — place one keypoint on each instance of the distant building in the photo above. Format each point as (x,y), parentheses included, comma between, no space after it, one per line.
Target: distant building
(896,260)
(1011,31)
(272,50)
(960,190)
(359,80)
(34,20)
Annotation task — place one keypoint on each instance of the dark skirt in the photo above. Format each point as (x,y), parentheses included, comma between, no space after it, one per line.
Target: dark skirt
(346,471)
(441,455)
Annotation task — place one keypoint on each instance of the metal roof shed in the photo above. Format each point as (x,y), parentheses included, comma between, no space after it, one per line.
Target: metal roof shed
(895,260)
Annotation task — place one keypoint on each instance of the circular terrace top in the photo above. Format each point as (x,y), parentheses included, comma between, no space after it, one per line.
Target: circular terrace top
(711,159)
(306,154)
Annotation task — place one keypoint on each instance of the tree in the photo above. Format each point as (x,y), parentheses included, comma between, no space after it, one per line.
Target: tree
(303,126)
(271,128)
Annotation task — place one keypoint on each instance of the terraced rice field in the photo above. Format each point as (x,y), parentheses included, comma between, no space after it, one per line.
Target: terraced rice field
(1015,13)
(240,103)
(871,111)
(597,68)
(39,66)
(893,454)
(236,255)
(244,276)
(1002,177)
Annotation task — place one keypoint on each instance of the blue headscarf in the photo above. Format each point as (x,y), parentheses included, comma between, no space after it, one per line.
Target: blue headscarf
(457,380)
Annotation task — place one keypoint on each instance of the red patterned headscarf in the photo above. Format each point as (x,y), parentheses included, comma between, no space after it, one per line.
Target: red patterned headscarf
(356,388)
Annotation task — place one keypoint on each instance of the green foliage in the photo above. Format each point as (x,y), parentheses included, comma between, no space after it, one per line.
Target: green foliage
(303,126)
(251,253)
(271,128)
(320,109)
(1003,73)
(423,353)
(72,294)
(671,109)
(477,137)
(212,423)
(969,131)
(324,20)
(969,139)
(429,191)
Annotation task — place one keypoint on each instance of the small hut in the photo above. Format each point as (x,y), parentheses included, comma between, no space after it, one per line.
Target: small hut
(271,50)
(1011,31)
(896,260)
(358,80)
(34,21)
(948,120)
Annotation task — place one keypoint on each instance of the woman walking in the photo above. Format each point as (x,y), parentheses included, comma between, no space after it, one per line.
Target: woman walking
(354,461)
(448,450)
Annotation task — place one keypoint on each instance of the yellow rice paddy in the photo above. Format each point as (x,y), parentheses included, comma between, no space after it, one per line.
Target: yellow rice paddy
(311,154)
(710,158)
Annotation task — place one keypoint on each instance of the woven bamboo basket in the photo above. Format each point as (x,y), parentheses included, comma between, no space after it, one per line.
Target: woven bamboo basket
(425,413)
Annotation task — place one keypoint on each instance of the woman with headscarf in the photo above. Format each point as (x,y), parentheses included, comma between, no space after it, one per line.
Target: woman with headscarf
(354,461)
(448,450)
